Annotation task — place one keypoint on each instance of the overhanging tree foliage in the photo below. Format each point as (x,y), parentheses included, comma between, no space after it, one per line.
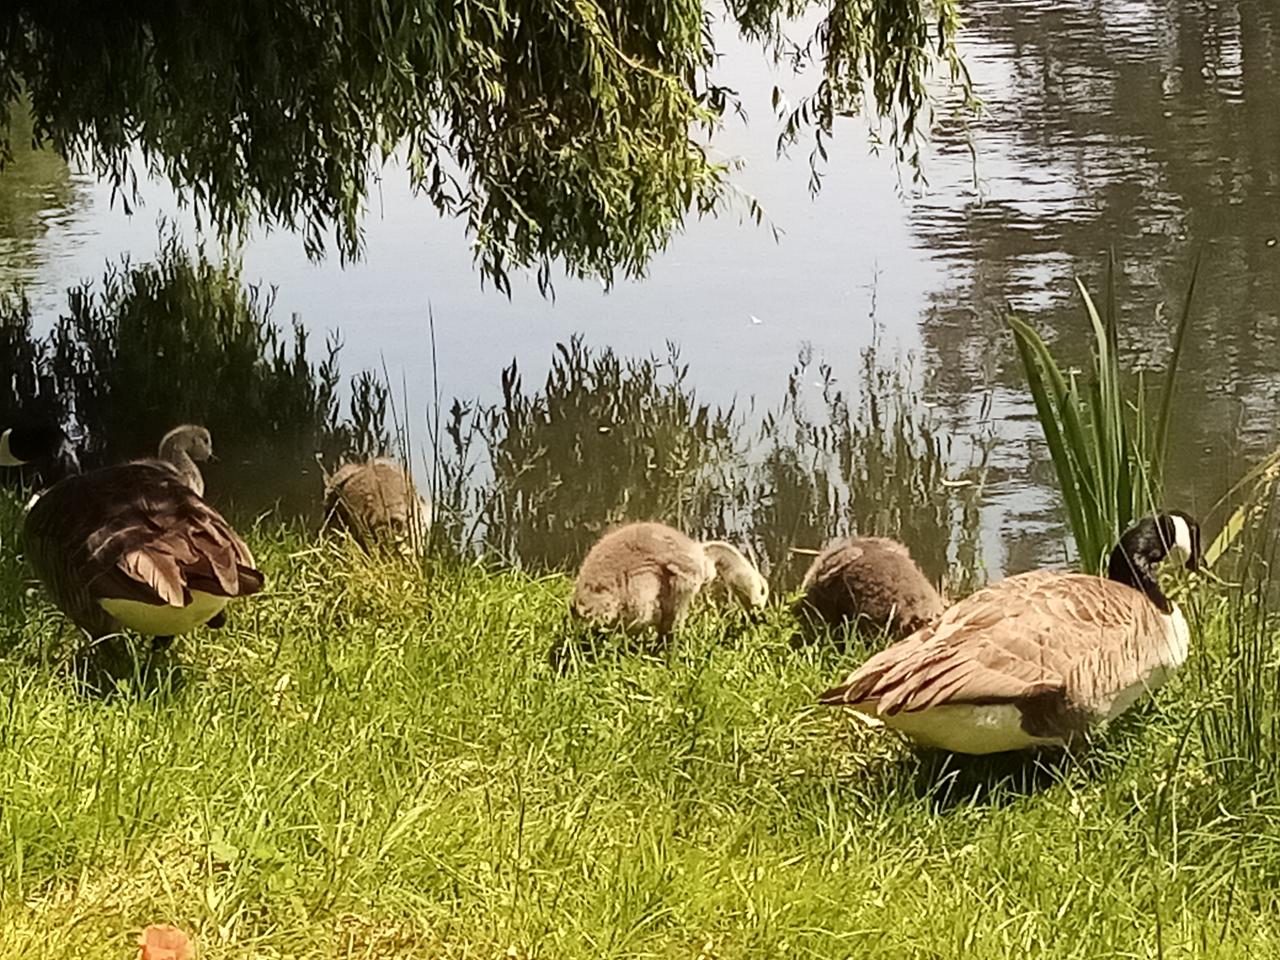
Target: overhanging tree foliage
(557,129)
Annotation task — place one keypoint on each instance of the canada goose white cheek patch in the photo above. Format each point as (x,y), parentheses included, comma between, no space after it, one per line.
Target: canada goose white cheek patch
(162,620)
(1180,550)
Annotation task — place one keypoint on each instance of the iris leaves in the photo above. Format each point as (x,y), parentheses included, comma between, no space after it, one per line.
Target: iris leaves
(1108,451)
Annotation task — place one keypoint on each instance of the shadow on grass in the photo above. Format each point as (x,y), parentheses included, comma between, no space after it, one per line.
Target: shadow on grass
(114,667)
(948,781)
(860,636)
(951,780)
(580,644)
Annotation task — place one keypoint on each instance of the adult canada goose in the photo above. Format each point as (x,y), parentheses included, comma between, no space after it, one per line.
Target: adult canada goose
(1035,659)
(376,501)
(131,546)
(871,582)
(646,575)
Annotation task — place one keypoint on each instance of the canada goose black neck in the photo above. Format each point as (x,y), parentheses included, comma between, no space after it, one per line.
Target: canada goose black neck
(1146,544)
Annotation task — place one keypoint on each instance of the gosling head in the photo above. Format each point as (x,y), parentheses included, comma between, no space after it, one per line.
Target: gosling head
(738,574)
(190,439)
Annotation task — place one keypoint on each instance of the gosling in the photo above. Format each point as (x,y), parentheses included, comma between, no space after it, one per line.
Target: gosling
(376,501)
(182,448)
(645,575)
(871,582)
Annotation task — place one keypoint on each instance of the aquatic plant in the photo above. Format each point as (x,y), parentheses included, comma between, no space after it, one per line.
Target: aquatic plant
(28,389)
(1108,450)
(871,461)
(605,439)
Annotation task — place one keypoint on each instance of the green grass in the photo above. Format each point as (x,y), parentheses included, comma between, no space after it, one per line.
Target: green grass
(426,785)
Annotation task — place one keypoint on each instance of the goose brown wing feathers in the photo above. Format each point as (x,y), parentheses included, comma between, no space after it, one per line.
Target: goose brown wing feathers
(1032,636)
(133,532)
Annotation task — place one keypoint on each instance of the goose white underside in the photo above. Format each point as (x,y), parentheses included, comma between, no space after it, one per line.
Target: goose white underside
(7,459)
(965,727)
(164,620)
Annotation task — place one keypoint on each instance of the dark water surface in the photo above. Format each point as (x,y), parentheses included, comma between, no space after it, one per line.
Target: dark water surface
(1149,127)
(1146,127)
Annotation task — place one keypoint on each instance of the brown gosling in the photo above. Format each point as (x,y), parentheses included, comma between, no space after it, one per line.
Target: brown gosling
(873,583)
(377,502)
(645,575)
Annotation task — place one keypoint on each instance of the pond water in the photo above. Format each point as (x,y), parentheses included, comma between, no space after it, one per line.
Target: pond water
(1145,126)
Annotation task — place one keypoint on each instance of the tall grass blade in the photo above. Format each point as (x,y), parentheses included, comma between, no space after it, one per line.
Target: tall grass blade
(1171,374)
(1261,481)
(1049,394)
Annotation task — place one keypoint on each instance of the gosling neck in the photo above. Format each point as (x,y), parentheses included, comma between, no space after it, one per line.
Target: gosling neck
(728,564)
(724,556)
(173,451)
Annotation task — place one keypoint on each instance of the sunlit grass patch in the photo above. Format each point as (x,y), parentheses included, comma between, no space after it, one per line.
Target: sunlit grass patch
(380,758)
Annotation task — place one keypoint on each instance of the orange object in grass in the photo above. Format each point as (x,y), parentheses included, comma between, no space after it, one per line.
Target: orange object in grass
(163,942)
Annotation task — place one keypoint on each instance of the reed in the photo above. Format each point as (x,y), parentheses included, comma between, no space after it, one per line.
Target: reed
(1107,447)
(605,439)
(869,458)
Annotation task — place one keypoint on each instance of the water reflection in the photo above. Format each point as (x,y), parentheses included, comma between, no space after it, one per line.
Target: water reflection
(1148,126)
(537,478)
(182,340)
(36,190)
(534,479)
(604,440)
(1145,126)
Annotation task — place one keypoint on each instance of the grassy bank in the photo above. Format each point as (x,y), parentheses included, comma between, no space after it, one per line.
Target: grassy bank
(424,784)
